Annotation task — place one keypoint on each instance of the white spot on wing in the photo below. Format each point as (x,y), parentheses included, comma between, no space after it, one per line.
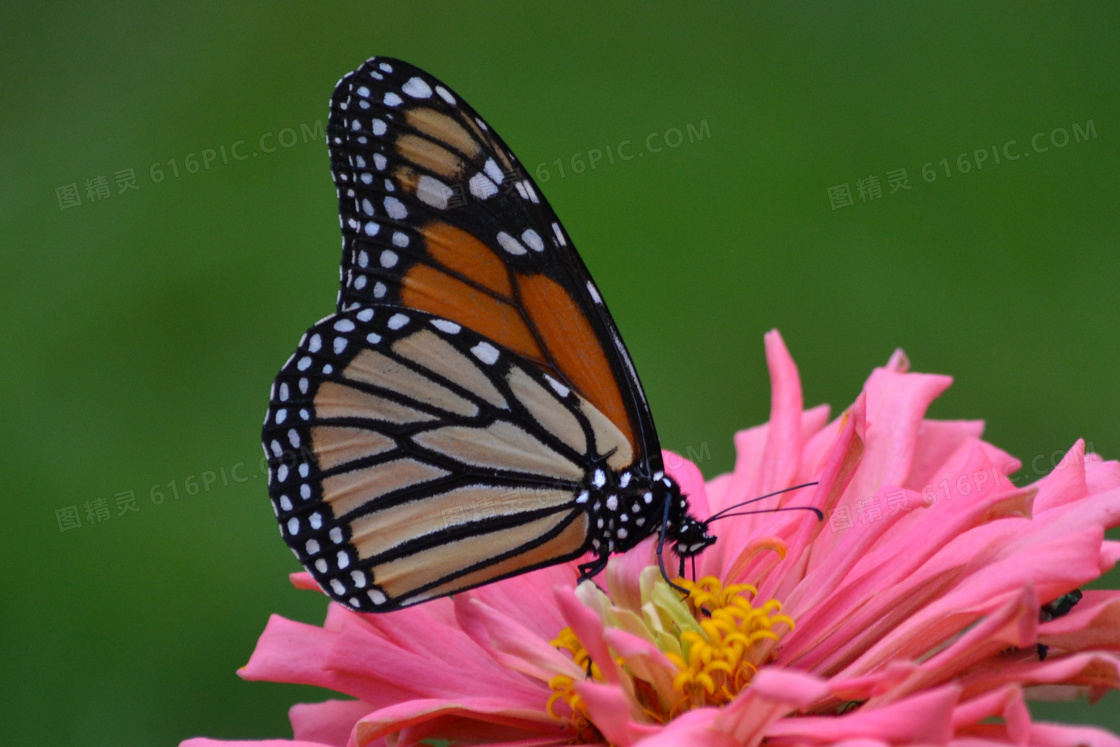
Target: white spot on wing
(392,99)
(533,239)
(396,321)
(444,325)
(432,191)
(510,244)
(493,171)
(395,208)
(559,388)
(594,292)
(486,353)
(481,186)
(417,88)
(445,95)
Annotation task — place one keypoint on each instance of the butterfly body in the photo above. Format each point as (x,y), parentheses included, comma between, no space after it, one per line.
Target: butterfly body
(469,412)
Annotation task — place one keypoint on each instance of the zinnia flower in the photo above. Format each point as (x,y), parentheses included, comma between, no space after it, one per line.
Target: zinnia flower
(933,601)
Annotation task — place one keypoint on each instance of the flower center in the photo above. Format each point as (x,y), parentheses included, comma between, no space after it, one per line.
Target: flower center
(563,689)
(714,641)
(720,659)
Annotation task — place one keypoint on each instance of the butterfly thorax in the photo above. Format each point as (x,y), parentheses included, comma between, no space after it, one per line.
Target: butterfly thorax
(625,508)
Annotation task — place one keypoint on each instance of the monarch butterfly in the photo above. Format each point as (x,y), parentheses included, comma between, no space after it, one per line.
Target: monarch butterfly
(469,412)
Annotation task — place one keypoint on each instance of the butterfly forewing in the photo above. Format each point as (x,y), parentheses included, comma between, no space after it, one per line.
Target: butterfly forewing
(469,412)
(414,458)
(438,215)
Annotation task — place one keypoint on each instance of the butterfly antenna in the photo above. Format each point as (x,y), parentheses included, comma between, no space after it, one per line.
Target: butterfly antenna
(727,511)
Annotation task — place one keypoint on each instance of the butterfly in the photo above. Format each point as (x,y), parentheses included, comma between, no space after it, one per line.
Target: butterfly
(469,412)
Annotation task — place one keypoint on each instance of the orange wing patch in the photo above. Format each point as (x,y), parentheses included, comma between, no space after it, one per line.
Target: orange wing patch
(570,341)
(436,292)
(464,254)
(568,337)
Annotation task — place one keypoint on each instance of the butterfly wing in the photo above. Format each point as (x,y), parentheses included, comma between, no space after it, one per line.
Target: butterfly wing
(438,215)
(413,458)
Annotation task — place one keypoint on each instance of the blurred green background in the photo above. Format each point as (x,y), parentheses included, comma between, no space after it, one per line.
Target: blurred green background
(142,328)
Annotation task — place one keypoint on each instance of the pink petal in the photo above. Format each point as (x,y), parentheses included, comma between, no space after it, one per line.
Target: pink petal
(1015,625)
(510,643)
(842,463)
(768,456)
(645,661)
(925,718)
(611,712)
(1006,703)
(1093,623)
(589,629)
(1091,668)
(305,581)
(493,716)
(781,455)
(913,628)
(528,600)
(696,727)
(206,742)
(774,693)
(937,440)
(1066,483)
(456,665)
(624,574)
(1060,735)
(896,406)
(888,582)
(1101,476)
(329,722)
(293,652)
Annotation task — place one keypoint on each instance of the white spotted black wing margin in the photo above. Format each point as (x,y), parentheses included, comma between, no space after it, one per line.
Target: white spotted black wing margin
(411,458)
(437,214)
(408,157)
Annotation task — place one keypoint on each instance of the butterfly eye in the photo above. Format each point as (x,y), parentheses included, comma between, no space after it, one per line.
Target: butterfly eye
(469,412)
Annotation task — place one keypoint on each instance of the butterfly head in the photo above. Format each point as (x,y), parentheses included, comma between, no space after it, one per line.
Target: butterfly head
(690,534)
(626,508)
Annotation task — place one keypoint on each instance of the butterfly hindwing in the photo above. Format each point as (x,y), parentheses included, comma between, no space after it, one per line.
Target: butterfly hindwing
(412,458)
(438,215)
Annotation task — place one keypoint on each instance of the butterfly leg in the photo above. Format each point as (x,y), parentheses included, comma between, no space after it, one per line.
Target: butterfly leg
(592,568)
(661,546)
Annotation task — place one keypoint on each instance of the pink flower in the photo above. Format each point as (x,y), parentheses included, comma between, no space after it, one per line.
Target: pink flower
(910,615)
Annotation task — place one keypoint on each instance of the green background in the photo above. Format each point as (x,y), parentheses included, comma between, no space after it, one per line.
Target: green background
(141,331)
